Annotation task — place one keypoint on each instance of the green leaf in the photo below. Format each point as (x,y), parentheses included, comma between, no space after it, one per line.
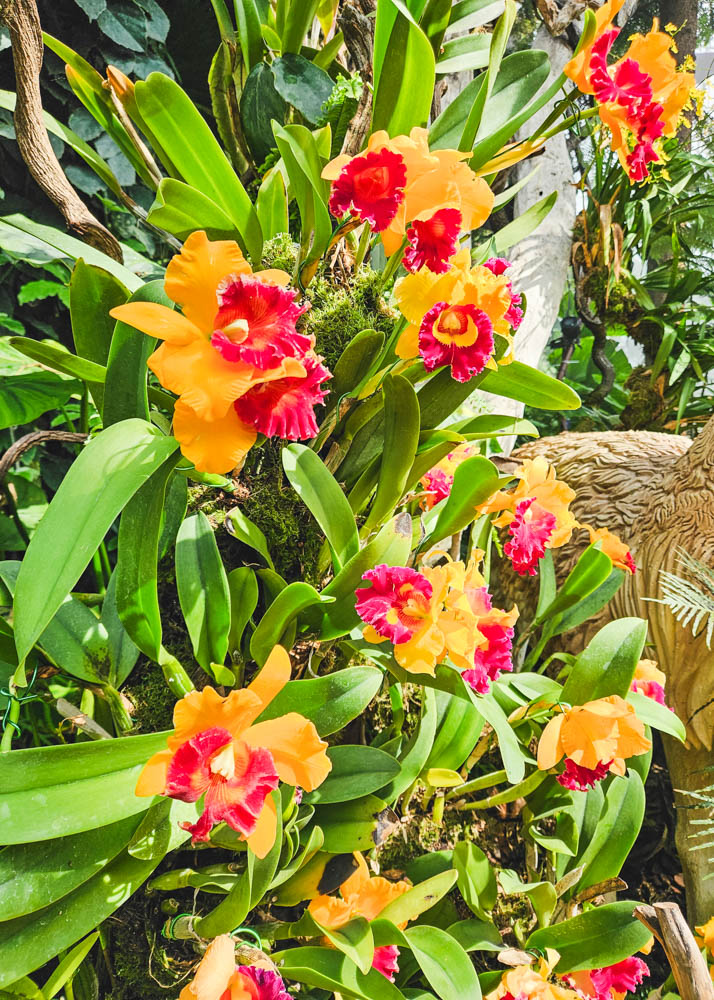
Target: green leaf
(468,52)
(123,652)
(23,398)
(599,937)
(658,716)
(260,106)
(525,224)
(181,209)
(590,605)
(404,70)
(323,497)
(520,76)
(44,797)
(391,546)
(476,878)
(93,292)
(356,771)
(284,609)
(509,748)
(203,590)
(59,359)
(530,386)
(304,164)
(590,571)
(184,134)
(248,533)
(96,487)
(330,701)
(330,969)
(419,898)
(272,205)
(302,84)
(356,362)
(352,826)
(125,387)
(607,664)
(68,966)
(489,425)
(353,939)
(446,966)
(138,553)
(249,35)
(36,874)
(416,752)
(498,40)
(401,438)
(616,831)
(459,725)
(542,895)
(476,935)
(298,18)
(475,480)
(243,588)
(441,395)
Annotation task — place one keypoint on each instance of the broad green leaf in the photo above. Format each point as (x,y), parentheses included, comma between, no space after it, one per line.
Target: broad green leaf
(607,664)
(356,825)
(330,701)
(125,386)
(475,480)
(530,386)
(286,607)
(498,40)
(272,205)
(59,359)
(356,771)
(24,398)
(298,18)
(476,878)
(249,36)
(28,240)
(33,875)
(260,106)
(243,589)
(63,790)
(616,831)
(391,546)
(525,224)
(590,605)
(323,497)
(302,84)
(138,553)
(123,652)
(469,52)
(353,939)
(184,134)
(93,292)
(476,935)
(356,362)
(419,899)
(590,571)
(203,590)
(416,752)
(97,486)
(658,716)
(304,164)
(489,425)
(401,438)
(441,395)
(68,965)
(542,895)
(404,70)
(602,936)
(459,725)
(446,966)
(28,942)
(330,969)
(181,209)
(242,528)
(508,746)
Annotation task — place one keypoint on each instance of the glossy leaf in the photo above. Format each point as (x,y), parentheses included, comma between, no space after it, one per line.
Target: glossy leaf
(330,701)
(272,205)
(352,826)
(590,571)
(474,481)
(419,898)
(181,209)
(356,771)
(404,70)
(590,605)
(401,438)
(476,878)
(100,482)
(304,164)
(302,84)
(499,39)
(248,533)
(330,969)
(123,652)
(249,35)
(243,589)
(658,716)
(260,106)
(525,224)
(607,664)
(616,831)
(285,608)
(469,52)
(446,966)
(356,362)
(353,939)
(323,497)
(23,398)
(184,134)
(416,752)
(93,292)
(58,359)
(203,590)
(530,386)
(542,895)
(602,936)
(459,725)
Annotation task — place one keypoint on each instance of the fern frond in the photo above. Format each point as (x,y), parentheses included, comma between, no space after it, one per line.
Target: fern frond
(691,605)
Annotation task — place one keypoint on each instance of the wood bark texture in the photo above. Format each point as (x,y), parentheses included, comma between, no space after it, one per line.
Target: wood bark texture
(23,22)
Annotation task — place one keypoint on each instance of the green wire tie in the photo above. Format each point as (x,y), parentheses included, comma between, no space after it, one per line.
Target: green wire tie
(167,930)
(250,931)
(11,696)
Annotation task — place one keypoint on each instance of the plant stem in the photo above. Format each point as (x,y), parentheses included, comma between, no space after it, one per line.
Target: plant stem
(10,722)
(98,573)
(393,263)
(175,676)
(362,247)
(518,791)
(484,781)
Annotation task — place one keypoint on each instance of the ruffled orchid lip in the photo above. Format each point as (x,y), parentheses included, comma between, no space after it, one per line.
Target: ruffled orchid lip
(433,241)
(371,186)
(285,407)
(530,530)
(395,602)
(460,336)
(577,778)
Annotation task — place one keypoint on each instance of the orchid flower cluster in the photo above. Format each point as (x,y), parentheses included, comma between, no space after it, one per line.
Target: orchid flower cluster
(234,355)
(219,977)
(642,97)
(437,612)
(528,982)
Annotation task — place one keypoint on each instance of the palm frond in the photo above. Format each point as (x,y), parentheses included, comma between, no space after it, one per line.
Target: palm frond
(691,605)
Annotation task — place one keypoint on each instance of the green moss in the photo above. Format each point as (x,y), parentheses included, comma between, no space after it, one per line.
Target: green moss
(280,252)
(150,695)
(646,409)
(144,965)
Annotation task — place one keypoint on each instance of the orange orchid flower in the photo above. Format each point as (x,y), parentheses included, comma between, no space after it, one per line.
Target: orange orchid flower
(596,739)
(362,895)
(437,482)
(613,547)
(528,983)
(705,935)
(650,681)
(578,69)
(233,355)
(219,978)
(218,750)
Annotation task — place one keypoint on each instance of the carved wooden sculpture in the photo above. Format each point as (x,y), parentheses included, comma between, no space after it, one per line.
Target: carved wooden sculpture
(657,492)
